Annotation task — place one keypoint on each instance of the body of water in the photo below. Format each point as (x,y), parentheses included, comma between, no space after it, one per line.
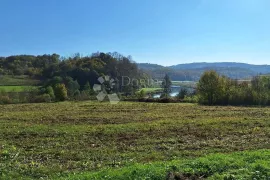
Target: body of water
(174,93)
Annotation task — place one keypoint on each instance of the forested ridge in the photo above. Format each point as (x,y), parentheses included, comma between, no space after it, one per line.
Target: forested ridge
(80,68)
(62,78)
(193,71)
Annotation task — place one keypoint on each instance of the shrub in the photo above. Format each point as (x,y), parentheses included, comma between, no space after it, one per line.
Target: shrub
(72,87)
(165,100)
(50,91)
(23,97)
(60,92)
(46,97)
(140,94)
(14,97)
(84,95)
(87,89)
(3,92)
(42,98)
(77,94)
(5,100)
(191,99)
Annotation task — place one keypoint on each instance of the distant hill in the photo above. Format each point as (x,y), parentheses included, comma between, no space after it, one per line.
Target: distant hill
(256,68)
(193,71)
(149,66)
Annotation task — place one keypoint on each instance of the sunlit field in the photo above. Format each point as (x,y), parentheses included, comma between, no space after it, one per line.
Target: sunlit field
(23,80)
(82,140)
(17,88)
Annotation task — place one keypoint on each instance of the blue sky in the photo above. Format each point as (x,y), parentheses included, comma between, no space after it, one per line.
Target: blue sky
(164,32)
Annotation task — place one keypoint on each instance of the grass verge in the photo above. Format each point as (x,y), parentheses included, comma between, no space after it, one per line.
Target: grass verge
(240,165)
(16,88)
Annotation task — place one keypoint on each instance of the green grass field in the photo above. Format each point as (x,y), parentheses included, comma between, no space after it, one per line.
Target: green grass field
(6,80)
(129,140)
(151,90)
(16,88)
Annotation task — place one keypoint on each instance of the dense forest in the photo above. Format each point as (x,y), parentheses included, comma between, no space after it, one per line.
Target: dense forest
(80,68)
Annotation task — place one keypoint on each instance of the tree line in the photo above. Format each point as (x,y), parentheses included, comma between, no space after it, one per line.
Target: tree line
(73,77)
(214,89)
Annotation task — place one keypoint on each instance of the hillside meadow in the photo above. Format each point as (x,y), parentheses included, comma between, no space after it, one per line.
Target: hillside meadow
(17,88)
(129,140)
(22,80)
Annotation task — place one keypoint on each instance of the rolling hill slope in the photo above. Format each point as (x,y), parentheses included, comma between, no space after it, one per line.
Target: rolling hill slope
(193,71)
